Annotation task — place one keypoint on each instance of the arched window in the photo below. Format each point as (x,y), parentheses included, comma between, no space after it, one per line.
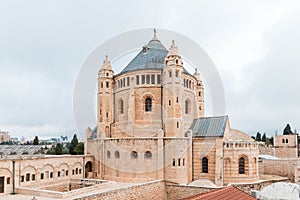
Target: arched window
(242,165)
(148,105)
(121,106)
(283,141)
(134,155)
(286,141)
(108,154)
(117,154)
(148,155)
(186,107)
(204,165)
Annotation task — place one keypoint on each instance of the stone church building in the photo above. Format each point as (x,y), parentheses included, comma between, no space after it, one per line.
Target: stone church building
(151,125)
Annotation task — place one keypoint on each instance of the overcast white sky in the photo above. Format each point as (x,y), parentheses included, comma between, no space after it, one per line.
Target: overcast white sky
(254,44)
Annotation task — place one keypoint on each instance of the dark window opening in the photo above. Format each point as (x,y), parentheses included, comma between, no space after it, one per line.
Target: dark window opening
(170,73)
(177,99)
(108,154)
(33,177)
(169,102)
(148,155)
(107,84)
(148,105)
(152,79)
(158,78)
(179,162)
(27,177)
(174,162)
(51,174)
(121,106)
(204,165)
(22,178)
(107,114)
(8,180)
(137,80)
(242,166)
(177,124)
(58,174)
(117,154)
(134,155)
(186,107)
(143,79)
(128,81)
(176,73)
(183,162)
(42,176)
(148,79)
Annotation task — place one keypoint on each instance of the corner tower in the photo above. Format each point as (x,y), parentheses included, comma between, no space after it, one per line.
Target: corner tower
(199,94)
(173,92)
(105,98)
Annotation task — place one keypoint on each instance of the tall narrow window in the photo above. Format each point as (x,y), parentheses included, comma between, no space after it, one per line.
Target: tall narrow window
(107,84)
(204,165)
(242,165)
(174,162)
(153,79)
(148,79)
(179,162)
(148,105)
(128,81)
(186,107)
(143,79)
(183,161)
(158,78)
(123,82)
(184,82)
(121,106)
(170,73)
(177,124)
(176,73)
(137,79)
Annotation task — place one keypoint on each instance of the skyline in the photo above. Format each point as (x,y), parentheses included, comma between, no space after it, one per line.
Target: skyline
(41,55)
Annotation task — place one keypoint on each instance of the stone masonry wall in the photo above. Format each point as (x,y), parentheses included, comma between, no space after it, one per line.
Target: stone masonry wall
(283,167)
(145,191)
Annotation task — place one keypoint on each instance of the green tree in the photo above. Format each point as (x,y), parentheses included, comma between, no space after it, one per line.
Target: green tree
(258,136)
(36,141)
(73,144)
(58,149)
(79,149)
(264,137)
(287,130)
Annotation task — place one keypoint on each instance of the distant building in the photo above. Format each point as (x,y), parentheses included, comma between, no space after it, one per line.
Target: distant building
(4,136)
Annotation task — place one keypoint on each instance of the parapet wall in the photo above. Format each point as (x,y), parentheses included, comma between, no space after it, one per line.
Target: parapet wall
(150,190)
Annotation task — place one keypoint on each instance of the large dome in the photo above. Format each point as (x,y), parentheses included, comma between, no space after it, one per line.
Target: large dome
(150,57)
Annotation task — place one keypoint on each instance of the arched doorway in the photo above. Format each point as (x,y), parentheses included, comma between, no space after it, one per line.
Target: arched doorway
(89,169)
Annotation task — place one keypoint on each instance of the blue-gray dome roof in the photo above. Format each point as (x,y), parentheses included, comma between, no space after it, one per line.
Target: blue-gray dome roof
(150,57)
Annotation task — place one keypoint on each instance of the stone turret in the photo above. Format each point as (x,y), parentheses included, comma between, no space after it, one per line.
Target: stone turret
(199,93)
(173,92)
(105,98)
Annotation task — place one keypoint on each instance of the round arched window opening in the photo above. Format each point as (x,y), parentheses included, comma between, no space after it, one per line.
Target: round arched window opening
(148,155)
(117,154)
(134,155)
(148,105)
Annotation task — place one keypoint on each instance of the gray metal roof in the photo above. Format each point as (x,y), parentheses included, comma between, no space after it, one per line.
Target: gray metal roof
(209,126)
(152,58)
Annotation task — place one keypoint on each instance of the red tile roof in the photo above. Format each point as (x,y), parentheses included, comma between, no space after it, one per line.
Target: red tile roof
(227,193)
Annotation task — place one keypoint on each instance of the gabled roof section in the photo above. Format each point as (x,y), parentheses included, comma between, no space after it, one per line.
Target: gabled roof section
(227,193)
(209,126)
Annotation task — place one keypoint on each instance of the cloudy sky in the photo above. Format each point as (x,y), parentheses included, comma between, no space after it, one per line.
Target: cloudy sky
(255,46)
